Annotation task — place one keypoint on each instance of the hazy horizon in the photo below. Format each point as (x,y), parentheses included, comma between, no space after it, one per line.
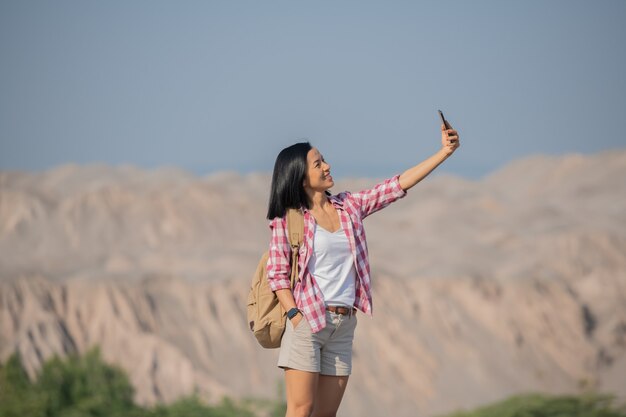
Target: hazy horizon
(346,177)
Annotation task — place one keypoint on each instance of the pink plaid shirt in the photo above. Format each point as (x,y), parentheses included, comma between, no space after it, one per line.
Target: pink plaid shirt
(352,209)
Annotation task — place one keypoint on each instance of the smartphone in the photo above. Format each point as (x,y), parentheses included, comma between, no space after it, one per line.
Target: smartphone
(444,121)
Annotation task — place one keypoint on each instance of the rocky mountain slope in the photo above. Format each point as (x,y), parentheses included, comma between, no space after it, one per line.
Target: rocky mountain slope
(482,289)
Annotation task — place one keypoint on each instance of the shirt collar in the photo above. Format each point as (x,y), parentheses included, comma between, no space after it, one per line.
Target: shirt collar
(334,200)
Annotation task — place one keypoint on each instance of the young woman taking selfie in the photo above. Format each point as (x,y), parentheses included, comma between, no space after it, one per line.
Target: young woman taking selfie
(334,273)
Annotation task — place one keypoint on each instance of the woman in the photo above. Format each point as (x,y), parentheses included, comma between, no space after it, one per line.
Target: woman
(334,273)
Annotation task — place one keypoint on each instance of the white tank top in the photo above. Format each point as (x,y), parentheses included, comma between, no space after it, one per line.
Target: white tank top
(332,266)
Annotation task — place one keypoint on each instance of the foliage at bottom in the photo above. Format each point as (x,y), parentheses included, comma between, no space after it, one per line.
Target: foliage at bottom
(86,386)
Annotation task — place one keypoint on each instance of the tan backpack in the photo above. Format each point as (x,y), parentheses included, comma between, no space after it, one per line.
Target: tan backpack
(266,316)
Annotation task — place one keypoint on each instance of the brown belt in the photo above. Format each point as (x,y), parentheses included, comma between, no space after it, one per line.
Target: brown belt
(346,311)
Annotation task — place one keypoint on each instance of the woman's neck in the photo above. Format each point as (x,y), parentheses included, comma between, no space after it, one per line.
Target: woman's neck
(317,200)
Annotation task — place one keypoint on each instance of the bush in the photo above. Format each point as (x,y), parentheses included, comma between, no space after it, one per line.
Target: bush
(17,396)
(538,405)
(85,386)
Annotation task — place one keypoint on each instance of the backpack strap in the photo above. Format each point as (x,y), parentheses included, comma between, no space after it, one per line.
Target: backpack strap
(295,230)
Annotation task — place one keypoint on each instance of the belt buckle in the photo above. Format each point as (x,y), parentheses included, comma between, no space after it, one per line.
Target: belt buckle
(341,310)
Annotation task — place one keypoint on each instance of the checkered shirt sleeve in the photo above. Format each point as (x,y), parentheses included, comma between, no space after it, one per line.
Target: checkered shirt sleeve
(278,263)
(371,200)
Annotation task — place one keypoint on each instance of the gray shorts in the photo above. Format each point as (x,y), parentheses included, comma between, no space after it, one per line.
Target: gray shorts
(328,351)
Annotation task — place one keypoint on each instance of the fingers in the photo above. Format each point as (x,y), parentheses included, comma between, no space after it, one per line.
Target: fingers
(452,134)
(452,138)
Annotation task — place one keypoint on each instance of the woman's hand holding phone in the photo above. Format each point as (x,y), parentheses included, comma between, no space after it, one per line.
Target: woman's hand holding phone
(449,137)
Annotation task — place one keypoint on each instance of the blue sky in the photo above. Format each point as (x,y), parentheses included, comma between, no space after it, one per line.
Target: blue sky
(224,85)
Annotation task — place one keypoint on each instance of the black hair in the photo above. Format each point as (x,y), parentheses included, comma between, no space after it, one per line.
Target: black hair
(287,189)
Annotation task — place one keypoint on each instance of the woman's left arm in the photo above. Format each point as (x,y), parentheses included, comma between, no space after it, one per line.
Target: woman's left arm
(449,143)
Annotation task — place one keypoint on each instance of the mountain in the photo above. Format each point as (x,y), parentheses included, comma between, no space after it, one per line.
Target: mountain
(512,283)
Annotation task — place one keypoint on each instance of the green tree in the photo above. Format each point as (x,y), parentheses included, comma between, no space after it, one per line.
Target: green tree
(191,406)
(538,405)
(84,386)
(17,397)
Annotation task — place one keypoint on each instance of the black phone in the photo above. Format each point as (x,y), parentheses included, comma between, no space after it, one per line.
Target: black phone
(444,121)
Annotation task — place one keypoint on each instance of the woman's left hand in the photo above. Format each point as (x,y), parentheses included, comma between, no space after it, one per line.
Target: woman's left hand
(449,140)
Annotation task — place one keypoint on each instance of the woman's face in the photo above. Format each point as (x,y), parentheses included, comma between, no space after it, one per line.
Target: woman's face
(318,176)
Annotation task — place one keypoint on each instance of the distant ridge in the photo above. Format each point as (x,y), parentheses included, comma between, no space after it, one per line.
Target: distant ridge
(482,288)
